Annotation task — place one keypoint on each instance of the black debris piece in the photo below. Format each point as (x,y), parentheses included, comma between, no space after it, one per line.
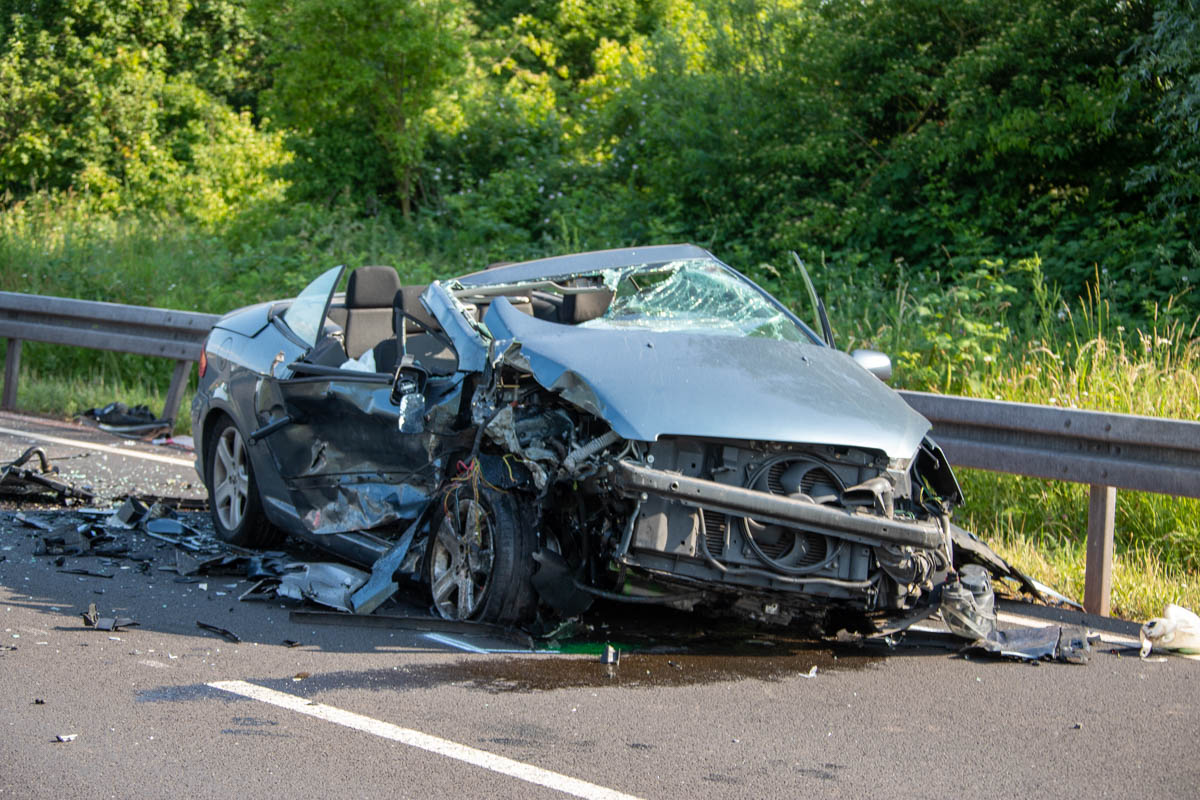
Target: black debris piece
(91,573)
(114,623)
(90,616)
(17,481)
(33,522)
(37,701)
(175,503)
(227,634)
(263,590)
(137,422)
(71,539)
(291,643)
(131,512)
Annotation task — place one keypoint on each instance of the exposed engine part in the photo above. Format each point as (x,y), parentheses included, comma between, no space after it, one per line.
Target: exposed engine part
(880,489)
(906,565)
(583,452)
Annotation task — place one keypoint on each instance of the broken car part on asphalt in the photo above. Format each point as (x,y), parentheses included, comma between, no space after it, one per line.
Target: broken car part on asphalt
(16,480)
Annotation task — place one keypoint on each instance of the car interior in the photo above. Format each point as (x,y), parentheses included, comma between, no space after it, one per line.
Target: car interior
(376,308)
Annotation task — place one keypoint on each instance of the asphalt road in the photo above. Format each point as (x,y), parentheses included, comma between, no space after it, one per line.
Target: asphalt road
(700,710)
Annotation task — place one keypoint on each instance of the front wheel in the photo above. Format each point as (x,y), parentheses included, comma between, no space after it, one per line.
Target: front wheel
(479,559)
(232,491)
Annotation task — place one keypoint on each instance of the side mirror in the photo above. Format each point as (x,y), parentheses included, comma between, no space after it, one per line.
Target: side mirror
(874,362)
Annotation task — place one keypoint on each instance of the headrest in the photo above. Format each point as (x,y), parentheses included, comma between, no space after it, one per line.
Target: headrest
(577,308)
(408,300)
(372,287)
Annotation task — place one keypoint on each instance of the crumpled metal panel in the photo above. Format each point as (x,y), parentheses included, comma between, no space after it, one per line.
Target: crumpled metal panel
(355,505)
(326,583)
(648,384)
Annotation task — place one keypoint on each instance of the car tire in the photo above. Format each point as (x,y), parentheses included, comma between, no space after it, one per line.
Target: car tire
(232,491)
(479,557)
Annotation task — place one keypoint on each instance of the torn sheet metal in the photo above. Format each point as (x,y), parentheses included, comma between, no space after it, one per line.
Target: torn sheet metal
(326,583)
(1065,643)
(359,505)
(968,609)
(381,585)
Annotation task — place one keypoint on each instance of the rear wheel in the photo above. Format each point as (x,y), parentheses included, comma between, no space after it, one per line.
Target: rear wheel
(233,493)
(479,559)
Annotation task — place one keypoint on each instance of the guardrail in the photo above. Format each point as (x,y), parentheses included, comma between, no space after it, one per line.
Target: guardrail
(101,326)
(1106,451)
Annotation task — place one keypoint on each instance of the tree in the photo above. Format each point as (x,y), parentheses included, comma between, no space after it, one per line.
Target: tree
(344,67)
(126,101)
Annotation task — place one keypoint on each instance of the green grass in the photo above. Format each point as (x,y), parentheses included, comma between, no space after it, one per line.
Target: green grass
(1000,333)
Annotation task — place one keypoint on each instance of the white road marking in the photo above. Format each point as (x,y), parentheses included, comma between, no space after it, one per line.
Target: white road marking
(103,448)
(424,741)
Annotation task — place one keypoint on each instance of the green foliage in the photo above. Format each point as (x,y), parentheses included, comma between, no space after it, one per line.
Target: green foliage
(94,100)
(1165,66)
(345,68)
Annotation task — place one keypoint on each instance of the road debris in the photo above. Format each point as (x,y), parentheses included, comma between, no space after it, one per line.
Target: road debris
(1177,630)
(217,629)
(327,583)
(32,522)
(66,737)
(968,609)
(18,481)
(90,573)
(137,422)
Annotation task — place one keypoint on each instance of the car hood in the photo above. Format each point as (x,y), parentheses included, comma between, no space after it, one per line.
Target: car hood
(647,384)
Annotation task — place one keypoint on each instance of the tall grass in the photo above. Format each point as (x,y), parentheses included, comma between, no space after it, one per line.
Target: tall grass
(1001,333)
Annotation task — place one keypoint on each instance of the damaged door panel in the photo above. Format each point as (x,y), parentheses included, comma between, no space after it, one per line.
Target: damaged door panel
(645,425)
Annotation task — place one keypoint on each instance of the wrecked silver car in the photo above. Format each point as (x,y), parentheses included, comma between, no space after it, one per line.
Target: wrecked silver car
(645,425)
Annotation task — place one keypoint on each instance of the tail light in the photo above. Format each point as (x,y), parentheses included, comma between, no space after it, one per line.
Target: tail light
(202,367)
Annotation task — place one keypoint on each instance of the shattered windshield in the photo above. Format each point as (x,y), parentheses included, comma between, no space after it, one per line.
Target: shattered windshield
(693,296)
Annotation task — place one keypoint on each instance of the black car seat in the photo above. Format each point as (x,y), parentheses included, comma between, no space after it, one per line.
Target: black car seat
(421,333)
(577,308)
(369,296)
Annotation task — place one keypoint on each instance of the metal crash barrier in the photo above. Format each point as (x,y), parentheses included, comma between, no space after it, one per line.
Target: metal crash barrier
(139,330)
(1106,451)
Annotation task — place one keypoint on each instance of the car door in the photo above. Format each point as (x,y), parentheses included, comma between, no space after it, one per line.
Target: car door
(337,435)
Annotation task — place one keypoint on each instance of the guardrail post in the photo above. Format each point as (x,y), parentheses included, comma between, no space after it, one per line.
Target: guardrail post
(12,368)
(1097,579)
(183,370)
